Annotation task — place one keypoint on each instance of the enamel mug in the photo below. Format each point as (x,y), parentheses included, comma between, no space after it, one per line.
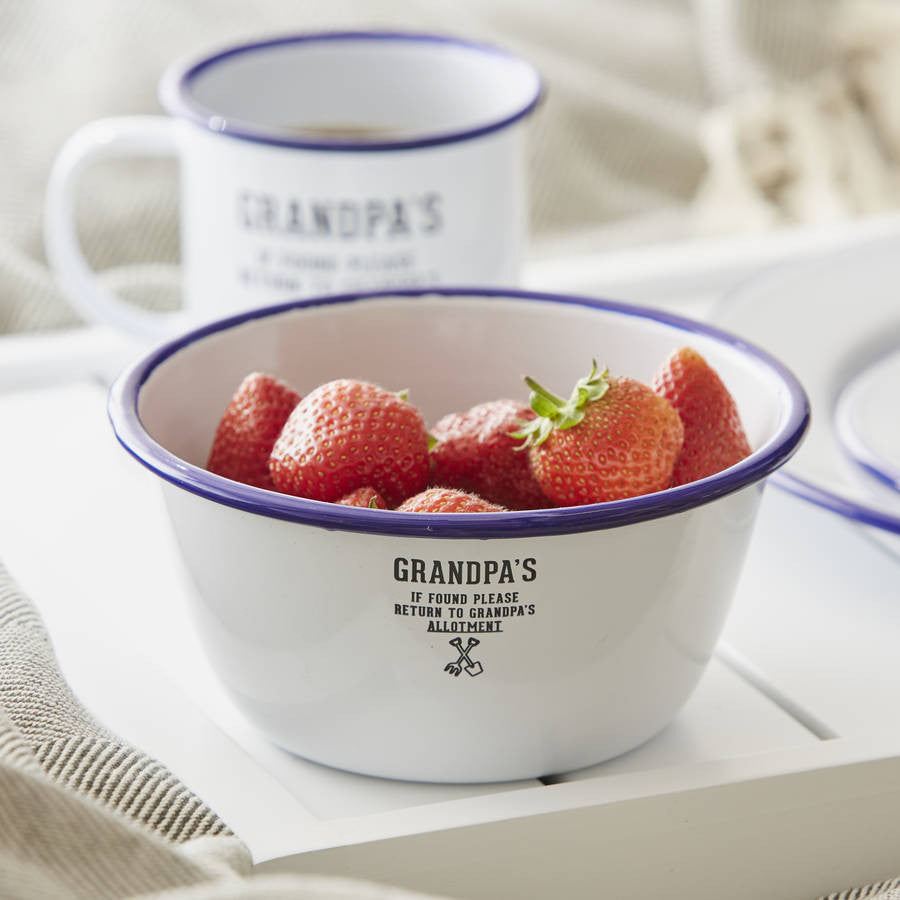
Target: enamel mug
(320,163)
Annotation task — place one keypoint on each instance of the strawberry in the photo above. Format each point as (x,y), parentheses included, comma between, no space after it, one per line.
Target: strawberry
(714,437)
(475,452)
(349,434)
(447,500)
(248,429)
(614,438)
(364,496)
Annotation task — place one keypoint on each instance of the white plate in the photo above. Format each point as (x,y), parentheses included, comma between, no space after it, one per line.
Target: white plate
(867,425)
(828,319)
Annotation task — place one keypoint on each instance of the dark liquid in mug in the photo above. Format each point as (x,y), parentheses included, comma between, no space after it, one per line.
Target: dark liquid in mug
(343,131)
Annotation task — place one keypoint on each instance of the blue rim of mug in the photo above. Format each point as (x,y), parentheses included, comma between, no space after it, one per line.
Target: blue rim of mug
(176,97)
(124,414)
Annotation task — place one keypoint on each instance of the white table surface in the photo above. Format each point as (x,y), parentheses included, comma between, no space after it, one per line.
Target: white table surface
(805,684)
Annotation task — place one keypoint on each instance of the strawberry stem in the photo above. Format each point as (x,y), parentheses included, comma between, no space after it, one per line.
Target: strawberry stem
(554,412)
(541,397)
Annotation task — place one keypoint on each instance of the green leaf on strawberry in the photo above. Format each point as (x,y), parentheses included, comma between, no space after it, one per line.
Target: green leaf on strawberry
(554,412)
(612,439)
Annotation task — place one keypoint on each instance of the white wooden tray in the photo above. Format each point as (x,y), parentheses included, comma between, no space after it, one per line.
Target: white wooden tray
(780,777)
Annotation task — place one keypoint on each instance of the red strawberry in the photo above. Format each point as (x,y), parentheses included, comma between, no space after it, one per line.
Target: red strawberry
(447,500)
(714,437)
(350,434)
(248,429)
(364,496)
(614,438)
(476,452)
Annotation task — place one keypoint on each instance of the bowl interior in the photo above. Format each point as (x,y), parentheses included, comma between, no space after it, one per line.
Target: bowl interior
(449,352)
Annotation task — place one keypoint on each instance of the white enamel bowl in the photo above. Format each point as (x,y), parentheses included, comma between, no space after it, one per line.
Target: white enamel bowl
(453,647)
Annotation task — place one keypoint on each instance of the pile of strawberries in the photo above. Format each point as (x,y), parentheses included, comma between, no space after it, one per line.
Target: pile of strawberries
(355,443)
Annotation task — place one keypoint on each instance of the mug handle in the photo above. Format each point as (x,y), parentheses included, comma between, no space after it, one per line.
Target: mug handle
(121,136)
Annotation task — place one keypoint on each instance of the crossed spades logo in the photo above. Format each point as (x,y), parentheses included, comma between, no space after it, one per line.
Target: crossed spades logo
(464,661)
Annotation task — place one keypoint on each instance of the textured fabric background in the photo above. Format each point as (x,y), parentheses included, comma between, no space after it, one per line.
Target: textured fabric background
(617,148)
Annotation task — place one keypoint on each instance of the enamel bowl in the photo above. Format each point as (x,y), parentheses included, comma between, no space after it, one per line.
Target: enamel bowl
(452,647)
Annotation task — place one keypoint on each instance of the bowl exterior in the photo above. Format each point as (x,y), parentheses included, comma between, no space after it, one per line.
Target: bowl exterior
(452,648)
(454,660)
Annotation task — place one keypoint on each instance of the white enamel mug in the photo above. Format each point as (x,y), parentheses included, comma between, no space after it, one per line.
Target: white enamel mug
(320,163)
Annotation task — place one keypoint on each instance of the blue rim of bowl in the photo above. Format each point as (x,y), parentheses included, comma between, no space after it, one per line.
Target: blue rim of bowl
(862,513)
(857,448)
(123,412)
(176,98)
